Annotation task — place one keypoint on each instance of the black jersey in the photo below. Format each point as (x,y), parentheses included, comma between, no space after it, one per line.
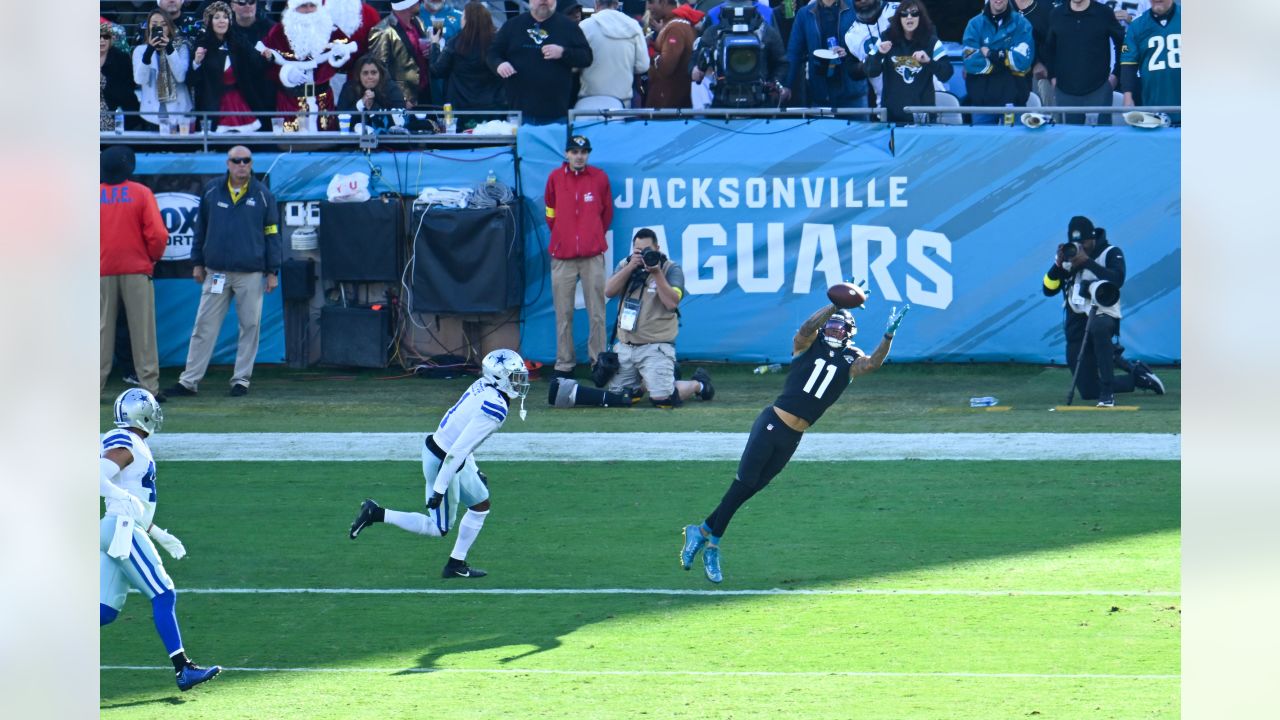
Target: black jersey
(817,378)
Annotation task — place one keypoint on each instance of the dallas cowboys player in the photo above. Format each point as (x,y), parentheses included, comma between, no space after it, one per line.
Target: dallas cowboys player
(448,465)
(820,371)
(127,479)
(871,22)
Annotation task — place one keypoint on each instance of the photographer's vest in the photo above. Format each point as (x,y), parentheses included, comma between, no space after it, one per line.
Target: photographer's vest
(1075,297)
(654,323)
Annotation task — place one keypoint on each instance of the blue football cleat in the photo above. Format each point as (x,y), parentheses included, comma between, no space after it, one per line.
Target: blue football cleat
(693,542)
(711,563)
(192,675)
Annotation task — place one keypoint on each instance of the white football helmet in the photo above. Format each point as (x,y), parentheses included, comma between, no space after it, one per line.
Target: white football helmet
(506,370)
(137,408)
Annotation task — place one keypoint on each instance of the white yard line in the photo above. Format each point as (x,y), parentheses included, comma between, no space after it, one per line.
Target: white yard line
(584,447)
(672,673)
(680,591)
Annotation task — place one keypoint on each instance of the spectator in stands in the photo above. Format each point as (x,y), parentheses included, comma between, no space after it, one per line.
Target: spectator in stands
(370,89)
(443,23)
(403,45)
(462,64)
(1082,52)
(214,74)
(572,10)
(133,238)
(236,252)
(618,53)
(115,82)
(306,33)
(1037,13)
(160,66)
(185,25)
(356,20)
(438,15)
(909,57)
(579,212)
(998,48)
(651,286)
(248,29)
(1152,54)
(536,53)
(823,25)
(871,20)
(669,81)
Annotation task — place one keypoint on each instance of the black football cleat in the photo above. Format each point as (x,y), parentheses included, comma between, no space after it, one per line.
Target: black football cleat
(708,391)
(1145,379)
(460,569)
(368,514)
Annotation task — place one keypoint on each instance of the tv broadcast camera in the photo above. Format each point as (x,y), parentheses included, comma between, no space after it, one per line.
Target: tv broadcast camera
(738,58)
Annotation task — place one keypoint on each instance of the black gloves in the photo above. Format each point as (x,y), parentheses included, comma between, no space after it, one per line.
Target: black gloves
(433,503)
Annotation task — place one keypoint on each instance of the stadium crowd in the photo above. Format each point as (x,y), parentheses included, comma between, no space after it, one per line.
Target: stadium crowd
(249,60)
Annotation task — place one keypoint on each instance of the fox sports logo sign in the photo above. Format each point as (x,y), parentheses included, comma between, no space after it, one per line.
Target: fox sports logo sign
(179,213)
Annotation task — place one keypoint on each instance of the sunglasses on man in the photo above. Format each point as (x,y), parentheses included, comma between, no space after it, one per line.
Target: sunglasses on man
(244,2)
(240,160)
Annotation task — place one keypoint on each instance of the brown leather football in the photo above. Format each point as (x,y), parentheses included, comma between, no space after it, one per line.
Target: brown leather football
(846,295)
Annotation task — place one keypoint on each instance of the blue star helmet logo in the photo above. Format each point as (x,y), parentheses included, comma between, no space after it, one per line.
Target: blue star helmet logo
(501,359)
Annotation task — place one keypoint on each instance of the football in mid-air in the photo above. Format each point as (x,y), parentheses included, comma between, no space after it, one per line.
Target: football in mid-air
(846,295)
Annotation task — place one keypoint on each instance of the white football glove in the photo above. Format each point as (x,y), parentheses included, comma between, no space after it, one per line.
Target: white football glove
(126,506)
(171,544)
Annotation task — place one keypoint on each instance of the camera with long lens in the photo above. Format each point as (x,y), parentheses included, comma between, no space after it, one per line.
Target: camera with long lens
(651,257)
(1068,250)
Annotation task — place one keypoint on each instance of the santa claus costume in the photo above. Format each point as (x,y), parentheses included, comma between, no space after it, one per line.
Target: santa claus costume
(355,19)
(308,52)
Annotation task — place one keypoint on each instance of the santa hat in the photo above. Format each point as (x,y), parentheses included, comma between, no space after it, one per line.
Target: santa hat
(295,4)
(403,4)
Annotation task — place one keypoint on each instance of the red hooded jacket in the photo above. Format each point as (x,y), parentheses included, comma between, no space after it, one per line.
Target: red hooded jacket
(579,212)
(132,235)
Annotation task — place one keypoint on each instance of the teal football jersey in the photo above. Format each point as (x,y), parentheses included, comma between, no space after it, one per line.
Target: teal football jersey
(1155,46)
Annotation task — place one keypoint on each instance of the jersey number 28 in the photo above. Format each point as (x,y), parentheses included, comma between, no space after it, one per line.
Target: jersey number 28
(1171,59)
(818,370)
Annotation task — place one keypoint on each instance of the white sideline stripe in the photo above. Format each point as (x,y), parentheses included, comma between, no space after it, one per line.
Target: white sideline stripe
(677,591)
(648,673)
(584,447)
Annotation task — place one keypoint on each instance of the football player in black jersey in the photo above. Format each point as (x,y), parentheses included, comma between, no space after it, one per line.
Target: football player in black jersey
(822,365)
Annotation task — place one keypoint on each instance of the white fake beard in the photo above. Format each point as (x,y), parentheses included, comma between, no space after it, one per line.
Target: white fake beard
(346,14)
(308,33)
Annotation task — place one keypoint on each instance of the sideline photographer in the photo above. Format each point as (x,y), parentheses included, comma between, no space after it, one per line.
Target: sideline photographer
(1090,272)
(745,55)
(650,287)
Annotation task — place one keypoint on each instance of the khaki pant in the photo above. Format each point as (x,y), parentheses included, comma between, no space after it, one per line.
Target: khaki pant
(651,364)
(138,297)
(565,275)
(247,288)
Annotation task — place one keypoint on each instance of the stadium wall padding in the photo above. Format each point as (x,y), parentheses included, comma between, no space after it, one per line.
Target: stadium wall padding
(961,222)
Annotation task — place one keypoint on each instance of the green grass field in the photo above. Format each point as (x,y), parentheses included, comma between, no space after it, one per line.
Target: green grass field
(897,398)
(1080,649)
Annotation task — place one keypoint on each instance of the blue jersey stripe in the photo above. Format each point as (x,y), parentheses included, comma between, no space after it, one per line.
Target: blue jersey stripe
(494,406)
(118,437)
(496,416)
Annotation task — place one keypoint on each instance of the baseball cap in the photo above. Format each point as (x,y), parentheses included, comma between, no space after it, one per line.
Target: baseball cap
(578,142)
(1079,229)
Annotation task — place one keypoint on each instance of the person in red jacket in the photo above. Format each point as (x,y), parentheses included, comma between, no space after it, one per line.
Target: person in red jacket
(579,211)
(133,238)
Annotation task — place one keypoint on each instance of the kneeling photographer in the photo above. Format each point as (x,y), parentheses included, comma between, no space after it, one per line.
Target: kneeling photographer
(746,56)
(1090,272)
(650,287)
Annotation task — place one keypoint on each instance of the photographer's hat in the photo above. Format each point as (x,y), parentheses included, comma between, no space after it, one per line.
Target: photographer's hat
(1081,228)
(578,142)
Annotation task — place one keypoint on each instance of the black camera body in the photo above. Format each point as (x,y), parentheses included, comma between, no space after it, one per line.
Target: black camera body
(652,257)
